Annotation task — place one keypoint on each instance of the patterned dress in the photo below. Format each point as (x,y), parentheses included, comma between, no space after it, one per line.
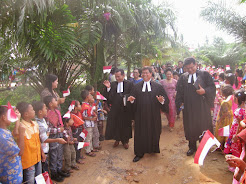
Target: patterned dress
(10,161)
(235,147)
(170,89)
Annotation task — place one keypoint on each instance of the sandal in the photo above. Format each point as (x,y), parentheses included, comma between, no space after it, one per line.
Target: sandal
(75,167)
(91,154)
(80,162)
(95,150)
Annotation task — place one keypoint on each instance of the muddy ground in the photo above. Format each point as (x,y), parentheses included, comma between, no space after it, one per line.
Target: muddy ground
(171,166)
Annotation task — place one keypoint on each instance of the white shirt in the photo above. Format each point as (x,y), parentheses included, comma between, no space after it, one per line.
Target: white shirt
(190,77)
(148,86)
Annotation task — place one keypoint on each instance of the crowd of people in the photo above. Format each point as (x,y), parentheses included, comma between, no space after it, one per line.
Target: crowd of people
(45,138)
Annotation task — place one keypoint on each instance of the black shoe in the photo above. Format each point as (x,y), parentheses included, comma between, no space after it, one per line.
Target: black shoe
(63,174)
(57,178)
(190,152)
(137,158)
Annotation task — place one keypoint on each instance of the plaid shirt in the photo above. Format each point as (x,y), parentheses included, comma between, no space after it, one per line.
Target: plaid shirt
(54,121)
(67,134)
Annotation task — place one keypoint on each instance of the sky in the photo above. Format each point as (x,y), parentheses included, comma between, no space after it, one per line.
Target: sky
(195,30)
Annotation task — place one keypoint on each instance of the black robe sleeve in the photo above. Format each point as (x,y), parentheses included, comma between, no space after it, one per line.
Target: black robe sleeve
(210,90)
(180,92)
(165,106)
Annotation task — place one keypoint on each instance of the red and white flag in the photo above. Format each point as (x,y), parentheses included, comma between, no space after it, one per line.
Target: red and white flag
(67,115)
(83,134)
(12,117)
(225,131)
(107,69)
(77,119)
(228,67)
(43,178)
(207,142)
(100,97)
(83,144)
(66,93)
(71,106)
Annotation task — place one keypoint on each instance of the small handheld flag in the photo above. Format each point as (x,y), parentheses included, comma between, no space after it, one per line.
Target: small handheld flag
(67,115)
(107,69)
(100,97)
(83,134)
(225,131)
(12,117)
(83,144)
(71,106)
(66,93)
(206,143)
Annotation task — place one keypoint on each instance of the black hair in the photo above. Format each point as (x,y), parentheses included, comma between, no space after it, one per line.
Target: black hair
(240,95)
(228,71)
(113,70)
(231,78)
(76,103)
(153,75)
(175,73)
(227,90)
(84,94)
(89,88)
(180,62)
(120,70)
(147,68)
(168,70)
(50,78)
(222,76)
(239,72)
(3,110)
(47,100)
(37,106)
(22,107)
(189,60)
(65,121)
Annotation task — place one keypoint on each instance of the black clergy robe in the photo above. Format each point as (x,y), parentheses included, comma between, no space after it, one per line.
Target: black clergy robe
(196,112)
(147,117)
(119,118)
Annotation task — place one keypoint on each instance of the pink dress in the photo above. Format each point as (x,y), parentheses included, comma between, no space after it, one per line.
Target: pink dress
(170,89)
(235,148)
(216,108)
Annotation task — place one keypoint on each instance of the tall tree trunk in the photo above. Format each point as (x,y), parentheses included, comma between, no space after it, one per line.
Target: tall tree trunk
(115,51)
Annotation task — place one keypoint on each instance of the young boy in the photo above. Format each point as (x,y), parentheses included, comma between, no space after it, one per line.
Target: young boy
(31,158)
(56,131)
(68,149)
(89,121)
(10,164)
(41,112)
(77,128)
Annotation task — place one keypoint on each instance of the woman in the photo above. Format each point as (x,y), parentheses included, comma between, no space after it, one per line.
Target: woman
(50,85)
(136,75)
(169,84)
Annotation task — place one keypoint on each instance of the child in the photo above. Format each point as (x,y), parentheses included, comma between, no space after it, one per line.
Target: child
(93,104)
(95,138)
(10,164)
(55,149)
(68,149)
(232,147)
(41,112)
(31,157)
(89,121)
(217,102)
(77,128)
(225,116)
(100,118)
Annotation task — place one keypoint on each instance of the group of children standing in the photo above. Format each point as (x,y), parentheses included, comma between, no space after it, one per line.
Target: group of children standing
(45,138)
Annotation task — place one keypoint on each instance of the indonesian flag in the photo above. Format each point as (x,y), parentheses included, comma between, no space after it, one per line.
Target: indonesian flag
(228,67)
(71,106)
(66,93)
(77,119)
(43,178)
(207,142)
(83,134)
(107,69)
(11,114)
(67,115)
(100,97)
(225,131)
(83,144)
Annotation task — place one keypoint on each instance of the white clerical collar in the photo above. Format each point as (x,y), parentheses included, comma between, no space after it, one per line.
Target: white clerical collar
(190,77)
(148,86)
(120,87)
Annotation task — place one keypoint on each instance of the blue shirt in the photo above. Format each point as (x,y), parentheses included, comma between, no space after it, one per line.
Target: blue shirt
(10,161)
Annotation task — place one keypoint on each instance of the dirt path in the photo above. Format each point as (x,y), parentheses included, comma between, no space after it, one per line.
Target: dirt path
(171,166)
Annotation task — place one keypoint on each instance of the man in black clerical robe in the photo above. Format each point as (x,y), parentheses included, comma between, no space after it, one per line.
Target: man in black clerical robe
(196,90)
(119,118)
(148,99)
